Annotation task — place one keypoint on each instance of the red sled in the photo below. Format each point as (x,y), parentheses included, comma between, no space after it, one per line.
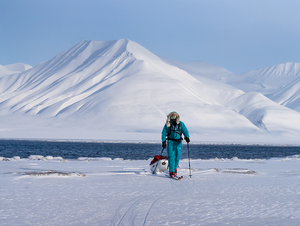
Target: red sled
(159,164)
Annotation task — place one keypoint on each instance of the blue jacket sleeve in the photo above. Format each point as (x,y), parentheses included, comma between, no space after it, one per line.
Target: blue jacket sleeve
(184,130)
(164,133)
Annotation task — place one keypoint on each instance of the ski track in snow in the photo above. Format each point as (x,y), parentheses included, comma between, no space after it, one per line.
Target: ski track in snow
(148,212)
(129,213)
(133,208)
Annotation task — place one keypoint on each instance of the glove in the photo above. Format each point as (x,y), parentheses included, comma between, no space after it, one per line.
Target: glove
(164,144)
(187,139)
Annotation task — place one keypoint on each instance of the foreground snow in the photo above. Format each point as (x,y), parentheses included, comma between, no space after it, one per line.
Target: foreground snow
(101,191)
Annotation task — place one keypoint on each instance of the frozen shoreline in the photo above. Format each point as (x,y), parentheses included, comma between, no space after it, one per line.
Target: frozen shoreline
(216,143)
(101,191)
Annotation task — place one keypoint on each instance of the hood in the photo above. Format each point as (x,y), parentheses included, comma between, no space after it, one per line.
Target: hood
(173,113)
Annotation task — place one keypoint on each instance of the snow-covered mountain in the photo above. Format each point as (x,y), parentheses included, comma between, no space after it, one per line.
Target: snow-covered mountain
(288,95)
(107,89)
(13,68)
(279,83)
(266,80)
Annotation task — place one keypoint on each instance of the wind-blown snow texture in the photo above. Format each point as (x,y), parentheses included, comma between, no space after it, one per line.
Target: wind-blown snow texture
(120,90)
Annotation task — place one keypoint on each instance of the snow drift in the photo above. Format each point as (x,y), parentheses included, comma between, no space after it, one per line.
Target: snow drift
(118,87)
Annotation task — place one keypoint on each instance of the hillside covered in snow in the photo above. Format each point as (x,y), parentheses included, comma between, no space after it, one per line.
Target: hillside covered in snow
(13,69)
(118,90)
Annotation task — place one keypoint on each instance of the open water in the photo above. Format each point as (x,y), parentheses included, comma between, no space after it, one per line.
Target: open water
(138,151)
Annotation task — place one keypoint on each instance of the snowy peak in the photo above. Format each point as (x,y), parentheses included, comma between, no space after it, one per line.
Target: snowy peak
(280,83)
(87,58)
(94,49)
(85,53)
(20,67)
(281,69)
(265,80)
(13,68)
(276,75)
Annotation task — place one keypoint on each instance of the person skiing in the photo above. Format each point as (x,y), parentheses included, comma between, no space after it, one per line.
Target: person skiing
(172,132)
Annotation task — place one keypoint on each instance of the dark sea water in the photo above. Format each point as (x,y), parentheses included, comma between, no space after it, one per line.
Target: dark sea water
(138,151)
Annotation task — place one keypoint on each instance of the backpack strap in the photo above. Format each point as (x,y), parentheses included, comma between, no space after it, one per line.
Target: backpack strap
(173,128)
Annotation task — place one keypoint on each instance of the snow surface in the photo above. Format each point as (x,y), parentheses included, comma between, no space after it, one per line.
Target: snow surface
(13,68)
(118,90)
(101,191)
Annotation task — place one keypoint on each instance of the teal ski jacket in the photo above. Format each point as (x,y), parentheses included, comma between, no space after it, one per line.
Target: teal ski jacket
(167,132)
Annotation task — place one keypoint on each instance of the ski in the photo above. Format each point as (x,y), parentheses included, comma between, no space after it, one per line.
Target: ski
(178,178)
(175,177)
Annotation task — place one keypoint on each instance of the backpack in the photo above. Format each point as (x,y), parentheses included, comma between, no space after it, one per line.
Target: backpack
(175,129)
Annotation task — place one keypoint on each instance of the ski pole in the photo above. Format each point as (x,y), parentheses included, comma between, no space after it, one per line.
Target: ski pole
(158,161)
(189,159)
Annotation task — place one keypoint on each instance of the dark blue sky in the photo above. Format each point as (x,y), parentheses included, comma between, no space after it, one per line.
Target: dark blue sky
(240,35)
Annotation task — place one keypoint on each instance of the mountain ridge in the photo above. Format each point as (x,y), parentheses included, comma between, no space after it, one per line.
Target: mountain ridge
(13,69)
(121,87)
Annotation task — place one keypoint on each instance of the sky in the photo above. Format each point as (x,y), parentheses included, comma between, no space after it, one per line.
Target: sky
(239,35)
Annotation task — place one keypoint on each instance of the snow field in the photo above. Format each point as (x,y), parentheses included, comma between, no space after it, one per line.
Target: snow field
(124,192)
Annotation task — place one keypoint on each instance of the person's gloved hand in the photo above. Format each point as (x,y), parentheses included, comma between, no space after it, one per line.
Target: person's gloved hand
(187,139)
(164,144)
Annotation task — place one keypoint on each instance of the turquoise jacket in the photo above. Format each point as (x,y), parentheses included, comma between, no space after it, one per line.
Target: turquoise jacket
(174,135)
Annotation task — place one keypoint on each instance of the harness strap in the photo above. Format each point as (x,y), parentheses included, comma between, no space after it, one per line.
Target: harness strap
(173,128)
(175,139)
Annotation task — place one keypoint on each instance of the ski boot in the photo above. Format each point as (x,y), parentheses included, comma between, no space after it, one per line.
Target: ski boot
(172,174)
